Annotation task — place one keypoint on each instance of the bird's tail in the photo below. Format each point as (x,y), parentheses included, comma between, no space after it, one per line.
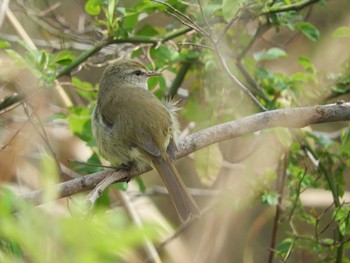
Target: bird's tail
(181,198)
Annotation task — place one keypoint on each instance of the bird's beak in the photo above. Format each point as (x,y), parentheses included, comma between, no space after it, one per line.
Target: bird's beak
(153,73)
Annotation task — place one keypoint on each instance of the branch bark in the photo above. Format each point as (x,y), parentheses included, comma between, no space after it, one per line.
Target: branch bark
(288,118)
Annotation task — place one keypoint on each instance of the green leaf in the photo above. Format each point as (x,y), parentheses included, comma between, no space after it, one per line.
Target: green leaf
(111,10)
(341,215)
(80,123)
(307,65)
(4,44)
(345,142)
(87,169)
(141,184)
(147,30)
(103,200)
(81,84)
(93,7)
(270,198)
(130,22)
(104,238)
(153,82)
(85,89)
(64,57)
(163,55)
(309,30)
(285,246)
(340,32)
(230,8)
(208,162)
(271,54)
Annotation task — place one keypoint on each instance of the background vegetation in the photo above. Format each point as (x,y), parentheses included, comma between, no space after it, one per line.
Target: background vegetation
(278,195)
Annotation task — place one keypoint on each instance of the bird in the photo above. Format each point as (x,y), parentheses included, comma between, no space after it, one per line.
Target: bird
(132,127)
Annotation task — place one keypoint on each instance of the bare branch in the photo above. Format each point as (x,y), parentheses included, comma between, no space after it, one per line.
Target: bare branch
(289,118)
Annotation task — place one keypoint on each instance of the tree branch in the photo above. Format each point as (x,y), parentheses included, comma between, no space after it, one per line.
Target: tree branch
(291,7)
(134,39)
(289,118)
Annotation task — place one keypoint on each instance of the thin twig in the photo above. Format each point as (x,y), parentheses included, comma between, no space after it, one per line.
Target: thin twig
(282,174)
(150,249)
(178,231)
(203,15)
(13,137)
(42,134)
(230,23)
(93,164)
(297,196)
(20,30)
(190,25)
(175,10)
(195,45)
(217,51)
(23,34)
(336,198)
(235,80)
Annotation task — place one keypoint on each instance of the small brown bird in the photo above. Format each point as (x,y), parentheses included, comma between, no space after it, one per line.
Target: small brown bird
(131,126)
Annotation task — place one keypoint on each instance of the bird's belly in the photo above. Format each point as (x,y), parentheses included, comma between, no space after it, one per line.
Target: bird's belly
(113,147)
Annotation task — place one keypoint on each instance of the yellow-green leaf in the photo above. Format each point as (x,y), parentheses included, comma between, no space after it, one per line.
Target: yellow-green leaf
(343,31)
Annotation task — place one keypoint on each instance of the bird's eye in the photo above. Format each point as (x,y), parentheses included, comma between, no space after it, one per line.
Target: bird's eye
(138,72)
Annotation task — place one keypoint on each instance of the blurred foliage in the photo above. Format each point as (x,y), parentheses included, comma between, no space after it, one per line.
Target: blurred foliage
(30,234)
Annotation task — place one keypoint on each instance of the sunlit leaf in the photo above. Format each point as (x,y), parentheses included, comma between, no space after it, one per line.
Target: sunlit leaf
(4,44)
(342,32)
(93,7)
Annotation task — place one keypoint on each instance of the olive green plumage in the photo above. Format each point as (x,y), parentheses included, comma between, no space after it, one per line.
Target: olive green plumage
(131,126)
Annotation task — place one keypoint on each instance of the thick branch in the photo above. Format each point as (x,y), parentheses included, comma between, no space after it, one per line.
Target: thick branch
(289,118)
